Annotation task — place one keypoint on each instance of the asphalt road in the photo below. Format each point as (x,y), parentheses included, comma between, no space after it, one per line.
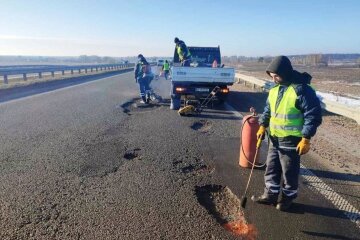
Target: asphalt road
(84,161)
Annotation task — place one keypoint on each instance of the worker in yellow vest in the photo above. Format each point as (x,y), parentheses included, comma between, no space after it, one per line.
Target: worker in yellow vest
(166,69)
(183,52)
(292,114)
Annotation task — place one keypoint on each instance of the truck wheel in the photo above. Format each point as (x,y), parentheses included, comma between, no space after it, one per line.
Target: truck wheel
(175,102)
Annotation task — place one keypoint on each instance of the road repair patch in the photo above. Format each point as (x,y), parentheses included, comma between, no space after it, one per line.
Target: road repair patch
(224,206)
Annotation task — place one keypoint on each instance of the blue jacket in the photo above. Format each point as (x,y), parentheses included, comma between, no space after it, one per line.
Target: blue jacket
(138,68)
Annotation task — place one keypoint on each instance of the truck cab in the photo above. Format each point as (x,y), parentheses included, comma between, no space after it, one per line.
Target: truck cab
(200,78)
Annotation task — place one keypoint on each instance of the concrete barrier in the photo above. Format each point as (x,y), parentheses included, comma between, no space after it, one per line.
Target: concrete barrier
(330,106)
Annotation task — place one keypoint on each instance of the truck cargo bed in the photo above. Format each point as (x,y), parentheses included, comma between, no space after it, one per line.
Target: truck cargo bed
(223,76)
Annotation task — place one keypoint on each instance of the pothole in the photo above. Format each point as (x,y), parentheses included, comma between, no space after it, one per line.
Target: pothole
(132,154)
(224,206)
(135,106)
(198,168)
(177,162)
(202,126)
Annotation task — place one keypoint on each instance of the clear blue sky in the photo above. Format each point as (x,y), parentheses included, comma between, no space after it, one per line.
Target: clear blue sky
(126,28)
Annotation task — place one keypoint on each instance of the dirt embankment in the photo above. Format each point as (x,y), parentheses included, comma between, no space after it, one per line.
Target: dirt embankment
(337,80)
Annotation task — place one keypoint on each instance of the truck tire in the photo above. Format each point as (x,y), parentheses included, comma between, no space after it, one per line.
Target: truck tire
(175,102)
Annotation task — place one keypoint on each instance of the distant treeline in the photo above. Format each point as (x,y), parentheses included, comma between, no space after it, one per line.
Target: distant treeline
(83,59)
(306,59)
(59,60)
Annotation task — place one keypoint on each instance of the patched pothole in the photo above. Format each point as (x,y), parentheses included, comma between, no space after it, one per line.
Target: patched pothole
(202,126)
(132,154)
(224,206)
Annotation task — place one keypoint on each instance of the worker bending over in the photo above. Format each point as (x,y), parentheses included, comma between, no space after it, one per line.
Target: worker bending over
(183,52)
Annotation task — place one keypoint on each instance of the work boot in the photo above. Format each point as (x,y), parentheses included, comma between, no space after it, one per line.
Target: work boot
(284,204)
(266,199)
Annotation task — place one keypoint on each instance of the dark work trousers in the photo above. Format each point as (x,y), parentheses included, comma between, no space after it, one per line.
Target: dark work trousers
(166,74)
(144,85)
(282,162)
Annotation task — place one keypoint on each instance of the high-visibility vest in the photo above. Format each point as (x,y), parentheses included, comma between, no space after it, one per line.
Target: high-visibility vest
(183,55)
(286,120)
(166,66)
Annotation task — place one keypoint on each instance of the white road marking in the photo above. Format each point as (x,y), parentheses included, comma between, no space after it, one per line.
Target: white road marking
(318,185)
(58,90)
(315,183)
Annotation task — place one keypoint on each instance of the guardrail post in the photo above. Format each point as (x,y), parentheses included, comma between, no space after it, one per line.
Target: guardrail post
(24,76)
(96,69)
(63,72)
(52,73)
(72,71)
(40,75)
(85,70)
(6,79)
(79,70)
(91,70)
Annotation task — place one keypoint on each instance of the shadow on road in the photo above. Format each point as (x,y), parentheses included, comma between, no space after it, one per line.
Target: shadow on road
(51,85)
(328,236)
(243,101)
(299,208)
(334,175)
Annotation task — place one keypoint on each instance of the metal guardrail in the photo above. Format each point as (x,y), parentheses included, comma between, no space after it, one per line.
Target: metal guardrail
(330,106)
(6,71)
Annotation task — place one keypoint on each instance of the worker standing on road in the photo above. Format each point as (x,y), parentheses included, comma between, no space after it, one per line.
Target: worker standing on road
(183,52)
(143,77)
(293,114)
(166,69)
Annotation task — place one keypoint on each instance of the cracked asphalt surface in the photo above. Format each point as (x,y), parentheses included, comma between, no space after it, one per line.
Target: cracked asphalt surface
(85,163)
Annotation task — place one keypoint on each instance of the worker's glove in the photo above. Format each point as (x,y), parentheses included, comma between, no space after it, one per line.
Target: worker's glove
(261,133)
(303,146)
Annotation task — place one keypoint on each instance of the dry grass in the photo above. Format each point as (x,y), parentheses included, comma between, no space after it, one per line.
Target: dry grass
(338,80)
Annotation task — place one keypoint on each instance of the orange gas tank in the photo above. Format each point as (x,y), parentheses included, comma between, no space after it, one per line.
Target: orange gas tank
(250,126)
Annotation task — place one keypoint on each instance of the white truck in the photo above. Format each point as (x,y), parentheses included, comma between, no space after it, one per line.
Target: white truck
(201,77)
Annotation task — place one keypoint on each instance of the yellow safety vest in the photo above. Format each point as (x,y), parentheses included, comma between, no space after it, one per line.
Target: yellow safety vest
(286,120)
(181,53)
(166,66)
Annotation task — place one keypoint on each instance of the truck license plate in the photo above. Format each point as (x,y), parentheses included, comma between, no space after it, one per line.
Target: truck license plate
(201,89)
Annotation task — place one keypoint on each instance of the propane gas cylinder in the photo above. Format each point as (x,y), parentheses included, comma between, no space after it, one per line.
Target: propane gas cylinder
(250,126)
